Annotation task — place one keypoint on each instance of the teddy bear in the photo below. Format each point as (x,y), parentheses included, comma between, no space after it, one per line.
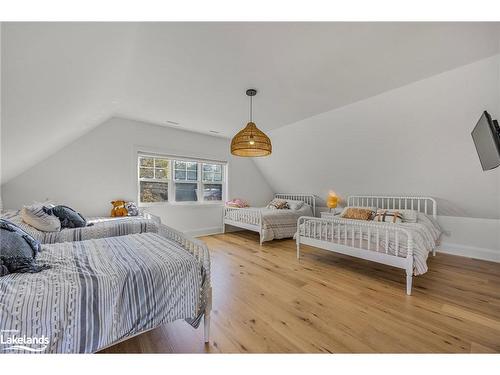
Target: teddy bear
(119,209)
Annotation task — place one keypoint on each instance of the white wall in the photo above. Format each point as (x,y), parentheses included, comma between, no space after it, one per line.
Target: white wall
(101,166)
(412,140)
(1,201)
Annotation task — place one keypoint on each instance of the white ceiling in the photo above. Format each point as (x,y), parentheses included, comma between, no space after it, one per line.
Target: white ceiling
(59,80)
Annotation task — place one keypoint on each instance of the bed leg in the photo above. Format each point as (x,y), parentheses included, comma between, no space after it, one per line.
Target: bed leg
(409,280)
(206,326)
(298,249)
(434,252)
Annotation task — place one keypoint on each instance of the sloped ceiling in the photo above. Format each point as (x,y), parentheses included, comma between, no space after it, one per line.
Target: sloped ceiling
(59,80)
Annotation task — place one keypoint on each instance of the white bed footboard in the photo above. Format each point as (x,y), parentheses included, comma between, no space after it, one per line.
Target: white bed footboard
(377,242)
(246,218)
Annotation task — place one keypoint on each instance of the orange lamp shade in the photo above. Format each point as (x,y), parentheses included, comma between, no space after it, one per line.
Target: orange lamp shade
(332,201)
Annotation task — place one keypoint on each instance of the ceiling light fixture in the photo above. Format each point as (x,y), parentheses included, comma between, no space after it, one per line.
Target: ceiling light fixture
(251,141)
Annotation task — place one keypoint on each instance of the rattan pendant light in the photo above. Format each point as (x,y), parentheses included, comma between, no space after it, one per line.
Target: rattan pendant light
(251,141)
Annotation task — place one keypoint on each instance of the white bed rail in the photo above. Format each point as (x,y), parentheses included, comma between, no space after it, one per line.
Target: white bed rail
(426,205)
(377,242)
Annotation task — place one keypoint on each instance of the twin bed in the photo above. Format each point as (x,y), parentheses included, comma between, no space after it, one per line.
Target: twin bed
(271,223)
(107,283)
(402,245)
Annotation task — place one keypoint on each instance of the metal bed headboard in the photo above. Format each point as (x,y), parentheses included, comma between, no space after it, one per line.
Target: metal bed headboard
(426,205)
(306,198)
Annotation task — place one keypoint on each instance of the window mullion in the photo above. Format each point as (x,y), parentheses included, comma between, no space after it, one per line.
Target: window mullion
(200,185)
(171,183)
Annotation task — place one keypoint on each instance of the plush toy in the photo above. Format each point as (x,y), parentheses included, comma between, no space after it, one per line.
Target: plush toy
(132,209)
(118,209)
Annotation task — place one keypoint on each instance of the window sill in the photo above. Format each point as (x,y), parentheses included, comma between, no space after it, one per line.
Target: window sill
(182,204)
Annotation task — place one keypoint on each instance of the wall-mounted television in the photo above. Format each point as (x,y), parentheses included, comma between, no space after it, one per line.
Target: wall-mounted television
(486,136)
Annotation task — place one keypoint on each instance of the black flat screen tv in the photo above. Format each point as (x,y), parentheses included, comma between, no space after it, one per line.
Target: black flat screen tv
(486,136)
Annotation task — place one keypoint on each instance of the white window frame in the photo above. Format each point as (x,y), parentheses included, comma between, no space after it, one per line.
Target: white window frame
(171,180)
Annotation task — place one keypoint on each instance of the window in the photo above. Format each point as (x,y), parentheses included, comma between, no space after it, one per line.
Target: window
(153,179)
(185,172)
(212,182)
(164,179)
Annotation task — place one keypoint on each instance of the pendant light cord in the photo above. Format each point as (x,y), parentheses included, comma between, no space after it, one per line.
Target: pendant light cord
(251,120)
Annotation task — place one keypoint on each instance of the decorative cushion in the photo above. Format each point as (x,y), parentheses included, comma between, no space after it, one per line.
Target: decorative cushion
(357,213)
(69,218)
(36,216)
(132,209)
(294,205)
(388,216)
(17,250)
(237,203)
(279,204)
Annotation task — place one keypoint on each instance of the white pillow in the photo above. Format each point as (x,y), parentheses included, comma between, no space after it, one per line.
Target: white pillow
(36,217)
(294,205)
(409,216)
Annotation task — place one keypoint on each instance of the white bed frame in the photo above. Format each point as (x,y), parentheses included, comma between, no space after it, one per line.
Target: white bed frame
(251,218)
(370,230)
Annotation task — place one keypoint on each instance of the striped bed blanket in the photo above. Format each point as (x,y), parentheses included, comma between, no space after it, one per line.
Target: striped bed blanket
(425,233)
(100,227)
(101,291)
(278,224)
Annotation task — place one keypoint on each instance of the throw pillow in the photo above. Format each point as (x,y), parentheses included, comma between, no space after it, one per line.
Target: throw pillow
(294,205)
(36,216)
(18,250)
(69,218)
(279,204)
(388,216)
(357,213)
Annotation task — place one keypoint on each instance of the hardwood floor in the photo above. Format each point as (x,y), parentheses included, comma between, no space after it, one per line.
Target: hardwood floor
(266,301)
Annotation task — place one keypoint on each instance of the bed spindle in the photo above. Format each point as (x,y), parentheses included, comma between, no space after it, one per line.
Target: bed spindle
(387,241)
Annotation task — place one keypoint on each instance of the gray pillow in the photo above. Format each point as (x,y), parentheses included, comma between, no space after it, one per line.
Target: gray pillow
(68,217)
(17,250)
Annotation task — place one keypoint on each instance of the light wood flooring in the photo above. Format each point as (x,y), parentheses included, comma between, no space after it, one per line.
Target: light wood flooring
(266,301)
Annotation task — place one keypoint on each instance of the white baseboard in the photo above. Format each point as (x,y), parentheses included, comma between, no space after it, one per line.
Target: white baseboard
(204,231)
(470,251)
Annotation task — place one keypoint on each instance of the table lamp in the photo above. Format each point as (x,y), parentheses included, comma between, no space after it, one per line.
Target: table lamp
(332,200)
